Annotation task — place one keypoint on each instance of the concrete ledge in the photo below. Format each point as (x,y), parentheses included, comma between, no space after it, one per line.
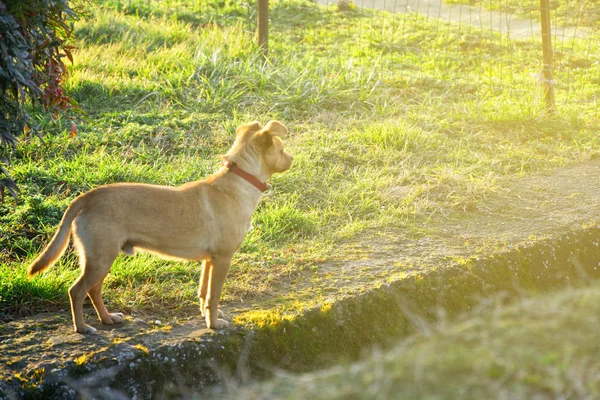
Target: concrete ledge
(187,357)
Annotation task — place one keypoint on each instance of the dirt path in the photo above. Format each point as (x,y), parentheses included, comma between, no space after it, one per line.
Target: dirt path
(476,17)
(529,209)
(526,211)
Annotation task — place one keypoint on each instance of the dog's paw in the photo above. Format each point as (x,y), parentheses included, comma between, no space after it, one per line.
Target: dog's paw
(86,330)
(219,324)
(114,318)
(117,318)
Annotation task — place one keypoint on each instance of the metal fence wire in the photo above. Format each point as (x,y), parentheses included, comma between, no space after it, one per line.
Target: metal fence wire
(494,47)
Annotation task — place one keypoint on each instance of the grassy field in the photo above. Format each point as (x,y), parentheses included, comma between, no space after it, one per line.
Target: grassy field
(383,135)
(542,348)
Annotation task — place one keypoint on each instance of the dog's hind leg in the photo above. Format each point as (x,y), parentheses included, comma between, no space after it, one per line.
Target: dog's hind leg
(96,255)
(107,318)
(77,293)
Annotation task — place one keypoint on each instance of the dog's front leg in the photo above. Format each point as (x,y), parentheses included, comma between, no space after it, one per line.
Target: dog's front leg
(216,279)
(203,288)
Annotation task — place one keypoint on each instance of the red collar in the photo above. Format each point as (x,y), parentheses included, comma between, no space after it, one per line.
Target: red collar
(231,166)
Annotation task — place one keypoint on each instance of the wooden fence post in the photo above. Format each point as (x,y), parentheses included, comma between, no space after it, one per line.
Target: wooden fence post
(547,52)
(263,26)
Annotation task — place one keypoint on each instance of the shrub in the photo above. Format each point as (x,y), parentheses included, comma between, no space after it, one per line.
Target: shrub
(33,45)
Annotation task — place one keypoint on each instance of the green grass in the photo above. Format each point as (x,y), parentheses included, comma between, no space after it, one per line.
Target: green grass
(539,348)
(392,120)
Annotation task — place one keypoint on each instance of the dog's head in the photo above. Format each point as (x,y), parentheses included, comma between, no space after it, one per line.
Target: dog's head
(259,149)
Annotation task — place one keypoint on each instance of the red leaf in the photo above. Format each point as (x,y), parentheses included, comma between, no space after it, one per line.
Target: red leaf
(73,130)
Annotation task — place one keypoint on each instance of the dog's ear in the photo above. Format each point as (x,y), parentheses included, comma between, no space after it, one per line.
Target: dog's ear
(275,128)
(245,131)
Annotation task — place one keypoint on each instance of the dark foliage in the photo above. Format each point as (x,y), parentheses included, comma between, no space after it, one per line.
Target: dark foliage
(33,46)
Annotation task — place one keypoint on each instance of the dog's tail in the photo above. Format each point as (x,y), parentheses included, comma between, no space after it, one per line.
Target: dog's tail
(60,240)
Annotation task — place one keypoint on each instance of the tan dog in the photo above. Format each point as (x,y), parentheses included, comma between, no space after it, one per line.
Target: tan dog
(202,220)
